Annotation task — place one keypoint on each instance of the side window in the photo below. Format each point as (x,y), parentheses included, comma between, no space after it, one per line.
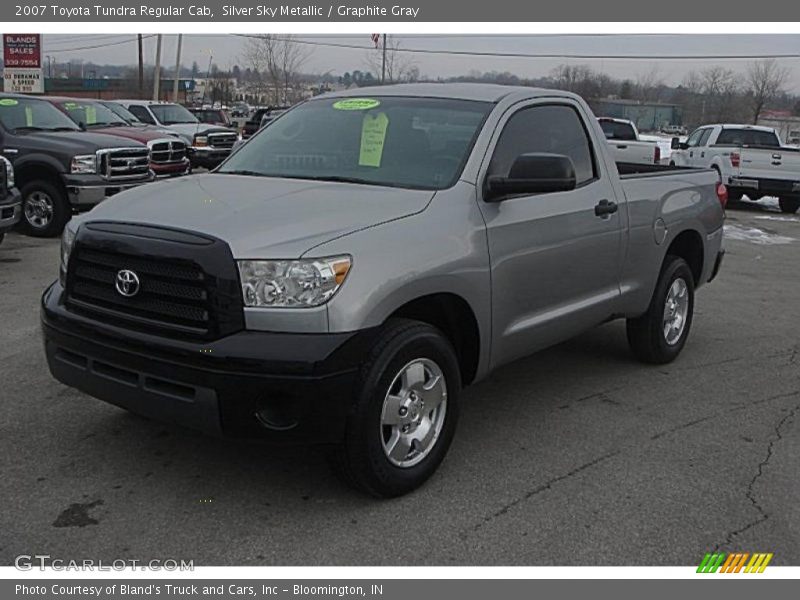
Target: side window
(142,114)
(556,129)
(695,138)
(704,138)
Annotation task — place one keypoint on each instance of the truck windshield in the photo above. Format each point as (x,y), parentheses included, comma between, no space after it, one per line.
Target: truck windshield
(20,114)
(172,114)
(419,143)
(121,112)
(91,114)
(748,137)
(615,130)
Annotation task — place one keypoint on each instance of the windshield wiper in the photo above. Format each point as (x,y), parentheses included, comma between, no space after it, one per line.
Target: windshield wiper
(338,179)
(28,128)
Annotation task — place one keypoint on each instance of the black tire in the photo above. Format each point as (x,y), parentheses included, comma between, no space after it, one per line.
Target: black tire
(360,461)
(734,196)
(646,335)
(38,224)
(789,205)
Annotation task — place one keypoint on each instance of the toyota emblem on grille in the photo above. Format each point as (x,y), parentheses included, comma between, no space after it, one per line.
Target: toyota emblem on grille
(127,283)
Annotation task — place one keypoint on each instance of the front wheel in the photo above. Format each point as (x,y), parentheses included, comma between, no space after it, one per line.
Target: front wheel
(658,336)
(404,413)
(789,205)
(45,209)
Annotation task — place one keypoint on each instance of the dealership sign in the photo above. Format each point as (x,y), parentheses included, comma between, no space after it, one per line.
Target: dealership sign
(23,81)
(22,63)
(22,51)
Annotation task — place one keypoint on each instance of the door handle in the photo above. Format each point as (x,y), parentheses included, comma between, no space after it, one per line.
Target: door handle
(604,208)
(702,155)
(622,147)
(691,154)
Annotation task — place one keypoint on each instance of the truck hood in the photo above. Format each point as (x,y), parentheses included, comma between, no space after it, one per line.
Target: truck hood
(191,129)
(75,142)
(131,133)
(261,217)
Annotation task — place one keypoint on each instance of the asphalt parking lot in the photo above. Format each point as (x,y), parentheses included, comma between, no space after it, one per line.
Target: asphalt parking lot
(577,455)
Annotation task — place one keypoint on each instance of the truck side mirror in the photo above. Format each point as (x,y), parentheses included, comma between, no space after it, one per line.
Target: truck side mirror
(534,173)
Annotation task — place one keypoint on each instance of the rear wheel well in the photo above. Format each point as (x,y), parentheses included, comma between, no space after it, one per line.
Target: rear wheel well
(689,246)
(454,318)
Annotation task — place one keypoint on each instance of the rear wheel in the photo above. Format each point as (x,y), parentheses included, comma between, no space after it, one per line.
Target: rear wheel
(658,336)
(404,414)
(789,205)
(45,209)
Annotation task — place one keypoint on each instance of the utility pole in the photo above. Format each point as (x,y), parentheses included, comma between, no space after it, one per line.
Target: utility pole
(177,69)
(383,68)
(157,78)
(141,67)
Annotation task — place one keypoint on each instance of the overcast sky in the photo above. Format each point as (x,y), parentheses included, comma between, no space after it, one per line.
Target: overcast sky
(227,51)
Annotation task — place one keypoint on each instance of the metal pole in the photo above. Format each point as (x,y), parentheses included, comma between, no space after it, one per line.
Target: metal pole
(141,67)
(383,68)
(177,69)
(157,77)
(208,75)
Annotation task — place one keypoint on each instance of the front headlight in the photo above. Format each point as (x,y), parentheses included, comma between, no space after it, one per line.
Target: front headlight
(9,174)
(67,239)
(292,283)
(200,140)
(84,163)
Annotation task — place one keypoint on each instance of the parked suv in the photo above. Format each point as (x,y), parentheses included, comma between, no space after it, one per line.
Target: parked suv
(10,201)
(367,255)
(59,168)
(208,145)
(213,116)
(168,155)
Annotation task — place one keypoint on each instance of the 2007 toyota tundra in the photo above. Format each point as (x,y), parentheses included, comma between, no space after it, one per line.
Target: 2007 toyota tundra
(345,273)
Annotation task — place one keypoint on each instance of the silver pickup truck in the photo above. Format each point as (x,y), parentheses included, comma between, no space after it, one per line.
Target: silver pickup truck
(347,271)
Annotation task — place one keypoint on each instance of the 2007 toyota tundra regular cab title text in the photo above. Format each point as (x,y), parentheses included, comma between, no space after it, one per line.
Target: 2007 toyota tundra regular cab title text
(350,268)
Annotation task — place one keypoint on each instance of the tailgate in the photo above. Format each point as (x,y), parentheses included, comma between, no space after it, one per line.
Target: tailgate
(768,163)
(633,152)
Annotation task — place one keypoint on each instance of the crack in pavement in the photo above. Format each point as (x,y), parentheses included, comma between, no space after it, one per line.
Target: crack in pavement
(543,488)
(609,455)
(762,514)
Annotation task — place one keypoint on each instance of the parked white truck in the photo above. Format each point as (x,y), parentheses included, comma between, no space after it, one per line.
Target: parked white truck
(749,159)
(626,147)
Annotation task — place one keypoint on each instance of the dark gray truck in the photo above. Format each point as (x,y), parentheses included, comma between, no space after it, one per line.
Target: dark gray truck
(344,274)
(60,169)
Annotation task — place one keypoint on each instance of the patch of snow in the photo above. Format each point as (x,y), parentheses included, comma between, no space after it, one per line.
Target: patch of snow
(776,218)
(755,236)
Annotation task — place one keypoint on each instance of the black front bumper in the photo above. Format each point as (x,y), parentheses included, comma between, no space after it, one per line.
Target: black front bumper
(278,387)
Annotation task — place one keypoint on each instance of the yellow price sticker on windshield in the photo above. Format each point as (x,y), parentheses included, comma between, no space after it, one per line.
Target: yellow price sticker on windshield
(8,102)
(91,115)
(28,116)
(356,104)
(373,136)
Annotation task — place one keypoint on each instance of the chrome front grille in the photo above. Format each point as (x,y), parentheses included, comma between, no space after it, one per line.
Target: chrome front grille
(165,152)
(118,164)
(222,140)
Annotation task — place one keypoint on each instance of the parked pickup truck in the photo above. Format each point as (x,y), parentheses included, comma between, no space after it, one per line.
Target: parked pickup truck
(208,145)
(626,147)
(749,159)
(61,170)
(10,202)
(344,274)
(168,155)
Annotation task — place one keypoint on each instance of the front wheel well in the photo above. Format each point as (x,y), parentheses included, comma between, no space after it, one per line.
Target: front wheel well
(453,316)
(37,172)
(689,246)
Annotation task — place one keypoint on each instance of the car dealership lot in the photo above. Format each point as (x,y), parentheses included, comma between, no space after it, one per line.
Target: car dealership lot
(577,455)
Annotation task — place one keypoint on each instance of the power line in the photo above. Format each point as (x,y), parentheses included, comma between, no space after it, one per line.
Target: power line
(539,54)
(133,39)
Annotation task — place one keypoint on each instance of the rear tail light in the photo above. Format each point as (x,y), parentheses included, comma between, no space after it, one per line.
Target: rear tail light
(657,156)
(736,159)
(722,194)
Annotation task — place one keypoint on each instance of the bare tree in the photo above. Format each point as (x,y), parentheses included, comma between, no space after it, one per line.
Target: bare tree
(765,79)
(398,66)
(720,88)
(649,85)
(278,59)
